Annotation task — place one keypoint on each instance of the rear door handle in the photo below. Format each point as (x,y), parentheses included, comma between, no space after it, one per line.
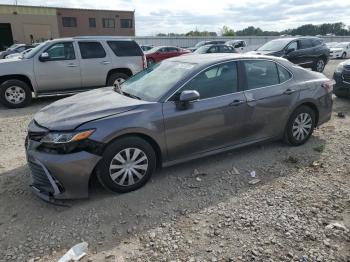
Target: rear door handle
(72,65)
(105,62)
(289,91)
(237,102)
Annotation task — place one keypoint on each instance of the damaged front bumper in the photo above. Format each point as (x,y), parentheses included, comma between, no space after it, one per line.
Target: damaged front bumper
(60,176)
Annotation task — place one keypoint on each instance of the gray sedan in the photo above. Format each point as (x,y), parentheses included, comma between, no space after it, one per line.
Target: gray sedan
(177,110)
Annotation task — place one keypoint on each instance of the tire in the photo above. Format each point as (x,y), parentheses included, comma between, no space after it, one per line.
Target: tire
(150,61)
(120,77)
(15,94)
(292,135)
(343,56)
(319,65)
(111,165)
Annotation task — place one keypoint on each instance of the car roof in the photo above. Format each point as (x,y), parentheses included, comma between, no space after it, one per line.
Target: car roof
(205,59)
(296,38)
(92,38)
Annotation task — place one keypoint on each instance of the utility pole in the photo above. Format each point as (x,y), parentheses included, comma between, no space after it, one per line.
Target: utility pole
(16,2)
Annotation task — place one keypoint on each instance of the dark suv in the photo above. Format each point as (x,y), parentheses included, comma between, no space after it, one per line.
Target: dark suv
(308,52)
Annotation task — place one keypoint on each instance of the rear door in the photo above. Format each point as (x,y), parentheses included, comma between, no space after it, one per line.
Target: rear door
(215,121)
(61,71)
(95,63)
(270,94)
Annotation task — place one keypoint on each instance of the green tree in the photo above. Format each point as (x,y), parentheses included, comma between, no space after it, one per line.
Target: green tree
(226,31)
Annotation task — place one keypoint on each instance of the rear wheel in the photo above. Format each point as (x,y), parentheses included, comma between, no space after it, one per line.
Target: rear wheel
(127,164)
(300,126)
(15,93)
(343,56)
(319,65)
(116,78)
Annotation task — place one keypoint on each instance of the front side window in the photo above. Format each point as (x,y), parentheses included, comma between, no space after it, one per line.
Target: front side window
(69,22)
(90,50)
(215,81)
(260,73)
(293,46)
(108,23)
(126,23)
(61,51)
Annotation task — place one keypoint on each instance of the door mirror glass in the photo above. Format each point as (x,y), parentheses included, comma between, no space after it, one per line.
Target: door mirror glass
(187,96)
(44,57)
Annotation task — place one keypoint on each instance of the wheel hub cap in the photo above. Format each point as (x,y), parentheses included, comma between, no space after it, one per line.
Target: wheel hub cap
(302,126)
(15,94)
(119,81)
(320,65)
(128,166)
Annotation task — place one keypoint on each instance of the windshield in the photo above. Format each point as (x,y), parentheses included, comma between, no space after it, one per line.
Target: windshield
(34,51)
(154,82)
(199,44)
(274,45)
(202,50)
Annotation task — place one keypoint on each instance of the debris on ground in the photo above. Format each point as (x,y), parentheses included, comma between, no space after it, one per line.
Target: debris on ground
(253,173)
(341,115)
(320,148)
(254,181)
(75,253)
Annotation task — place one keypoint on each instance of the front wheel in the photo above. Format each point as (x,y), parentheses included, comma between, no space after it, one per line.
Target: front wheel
(343,56)
(15,93)
(300,126)
(127,164)
(319,65)
(150,61)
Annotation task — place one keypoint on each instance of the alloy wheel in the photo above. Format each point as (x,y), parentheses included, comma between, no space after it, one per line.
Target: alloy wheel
(15,94)
(128,166)
(119,81)
(302,126)
(320,65)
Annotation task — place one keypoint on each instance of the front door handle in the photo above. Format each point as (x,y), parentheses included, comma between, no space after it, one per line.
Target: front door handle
(105,62)
(72,65)
(237,102)
(289,91)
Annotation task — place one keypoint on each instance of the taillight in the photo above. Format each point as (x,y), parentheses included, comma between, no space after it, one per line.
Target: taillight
(144,62)
(328,85)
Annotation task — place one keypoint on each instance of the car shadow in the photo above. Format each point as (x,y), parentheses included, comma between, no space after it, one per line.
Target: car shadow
(175,191)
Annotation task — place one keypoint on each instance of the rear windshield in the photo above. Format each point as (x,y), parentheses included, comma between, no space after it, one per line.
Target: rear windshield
(125,48)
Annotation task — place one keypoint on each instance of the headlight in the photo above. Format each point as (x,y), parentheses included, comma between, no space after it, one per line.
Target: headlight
(66,137)
(339,68)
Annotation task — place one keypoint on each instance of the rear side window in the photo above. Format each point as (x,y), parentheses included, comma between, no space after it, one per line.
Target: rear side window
(283,74)
(125,48)
(90,50)
(260,73)
(305,43)
(316,42)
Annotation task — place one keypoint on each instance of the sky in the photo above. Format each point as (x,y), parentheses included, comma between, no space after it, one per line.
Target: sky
(181,16)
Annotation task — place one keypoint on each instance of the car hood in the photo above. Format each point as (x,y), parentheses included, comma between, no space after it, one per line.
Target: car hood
(11,60)
(336,49)
(71,112)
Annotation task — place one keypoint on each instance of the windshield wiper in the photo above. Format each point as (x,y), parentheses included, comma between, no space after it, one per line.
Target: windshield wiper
(132,96)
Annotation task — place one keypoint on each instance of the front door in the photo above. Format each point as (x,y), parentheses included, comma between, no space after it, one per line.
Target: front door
(61,71)
(271,93)
(215,121)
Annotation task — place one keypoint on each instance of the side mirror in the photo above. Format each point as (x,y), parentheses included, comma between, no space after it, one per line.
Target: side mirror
(188,96)
(44,57)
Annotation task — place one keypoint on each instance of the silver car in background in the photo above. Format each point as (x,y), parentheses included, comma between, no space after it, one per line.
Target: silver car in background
(177,110)
(67,66)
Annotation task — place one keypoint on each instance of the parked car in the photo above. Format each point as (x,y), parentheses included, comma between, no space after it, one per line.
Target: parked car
(16,55)
(308,52)
(202,43)
(146,47)
(209,49)
(239,45)
(340,50)
(177,110)
(160,53)
(331,44)
(342,79)
(66,66)
(15,49)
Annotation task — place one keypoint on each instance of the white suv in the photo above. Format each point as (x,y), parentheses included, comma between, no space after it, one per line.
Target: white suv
(68,66)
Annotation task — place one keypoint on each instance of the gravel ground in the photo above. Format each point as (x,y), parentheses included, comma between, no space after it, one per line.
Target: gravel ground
(297,208)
